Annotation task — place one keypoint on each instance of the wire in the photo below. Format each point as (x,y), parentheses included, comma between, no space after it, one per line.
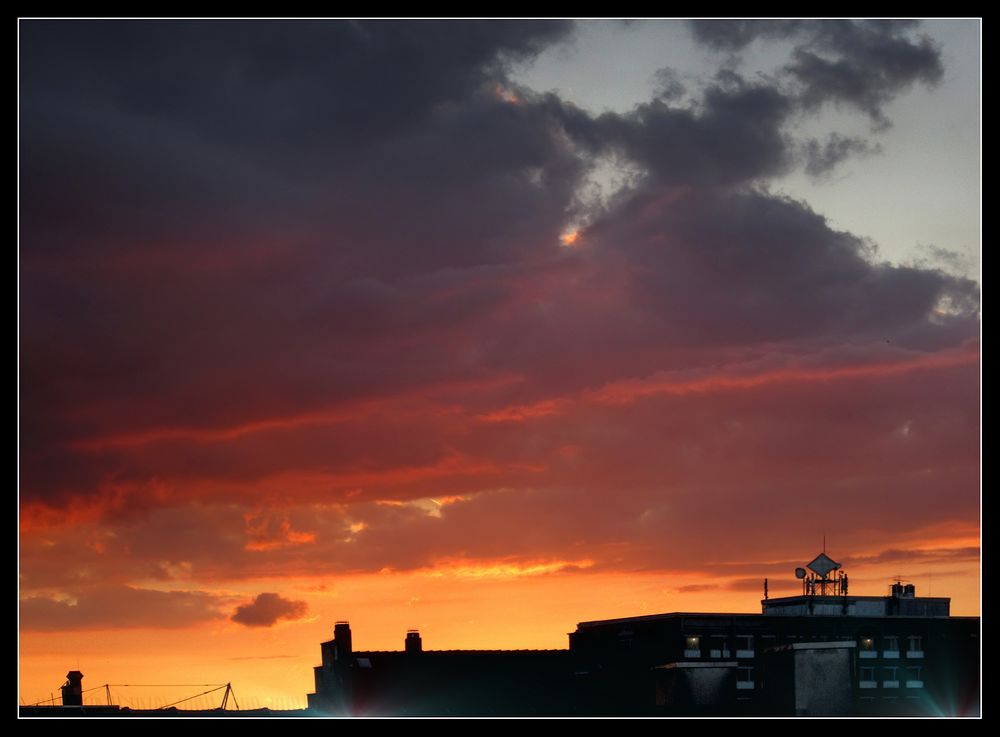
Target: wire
(167,706)
(216,686)
(162,685)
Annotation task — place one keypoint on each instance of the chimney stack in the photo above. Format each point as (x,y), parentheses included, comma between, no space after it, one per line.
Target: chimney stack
(413,642)
(342,640)
(72,691)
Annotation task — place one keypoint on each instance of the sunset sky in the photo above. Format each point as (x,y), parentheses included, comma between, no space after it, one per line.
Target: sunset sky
(482,328)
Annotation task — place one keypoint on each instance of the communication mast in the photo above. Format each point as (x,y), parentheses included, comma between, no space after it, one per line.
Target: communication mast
(820,582)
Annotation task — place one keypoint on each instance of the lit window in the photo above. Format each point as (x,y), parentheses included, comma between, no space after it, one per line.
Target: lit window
(915,646)
(744,678)
(915,677)
(692,646)
(866,647)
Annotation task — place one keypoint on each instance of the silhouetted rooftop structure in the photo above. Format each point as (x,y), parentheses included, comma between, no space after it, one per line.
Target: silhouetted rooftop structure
(824,652)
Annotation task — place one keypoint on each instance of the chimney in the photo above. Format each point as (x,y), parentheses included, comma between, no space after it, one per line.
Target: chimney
(72,691)
(342,640)
(413,642)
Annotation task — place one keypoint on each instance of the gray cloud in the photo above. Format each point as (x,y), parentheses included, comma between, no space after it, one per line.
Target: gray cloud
(823,158)
(734,35)
(864,64)
(734,264)
(735,135)
(267,609)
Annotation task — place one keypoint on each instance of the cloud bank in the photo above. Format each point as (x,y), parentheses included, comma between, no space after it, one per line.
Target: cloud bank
(298,297)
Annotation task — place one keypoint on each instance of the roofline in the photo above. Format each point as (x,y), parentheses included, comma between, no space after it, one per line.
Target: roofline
(649,617)
(369,653)
(806,597)
(666,615)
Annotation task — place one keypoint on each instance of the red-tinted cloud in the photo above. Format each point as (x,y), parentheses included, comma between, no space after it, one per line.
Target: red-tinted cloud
(119,607)
(287,310)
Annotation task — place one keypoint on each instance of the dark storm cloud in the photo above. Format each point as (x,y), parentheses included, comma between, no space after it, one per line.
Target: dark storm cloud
(208,189)
(734,135)
(274,276)
(187,137)
(864,64)
(265,81)
(267,609)
(143,130)
(757,267)
(119,607)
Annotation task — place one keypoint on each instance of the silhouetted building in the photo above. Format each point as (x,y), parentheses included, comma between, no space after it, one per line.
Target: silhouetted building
(823,652)
(444,682)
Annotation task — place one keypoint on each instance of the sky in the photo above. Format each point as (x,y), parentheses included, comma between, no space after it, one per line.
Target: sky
(483,328)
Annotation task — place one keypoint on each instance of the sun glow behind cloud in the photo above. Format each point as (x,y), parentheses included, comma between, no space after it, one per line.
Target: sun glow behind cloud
(570,237)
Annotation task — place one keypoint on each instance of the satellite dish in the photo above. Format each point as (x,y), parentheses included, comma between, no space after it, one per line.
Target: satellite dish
(800,573)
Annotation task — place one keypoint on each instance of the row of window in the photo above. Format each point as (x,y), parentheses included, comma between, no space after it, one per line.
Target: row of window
(890,647)
(891,677)
(719,646)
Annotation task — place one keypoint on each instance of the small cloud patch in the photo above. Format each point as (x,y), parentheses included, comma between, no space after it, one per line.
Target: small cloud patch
(267,609)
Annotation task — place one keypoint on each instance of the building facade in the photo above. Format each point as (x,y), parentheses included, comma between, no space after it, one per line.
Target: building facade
(823,652)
